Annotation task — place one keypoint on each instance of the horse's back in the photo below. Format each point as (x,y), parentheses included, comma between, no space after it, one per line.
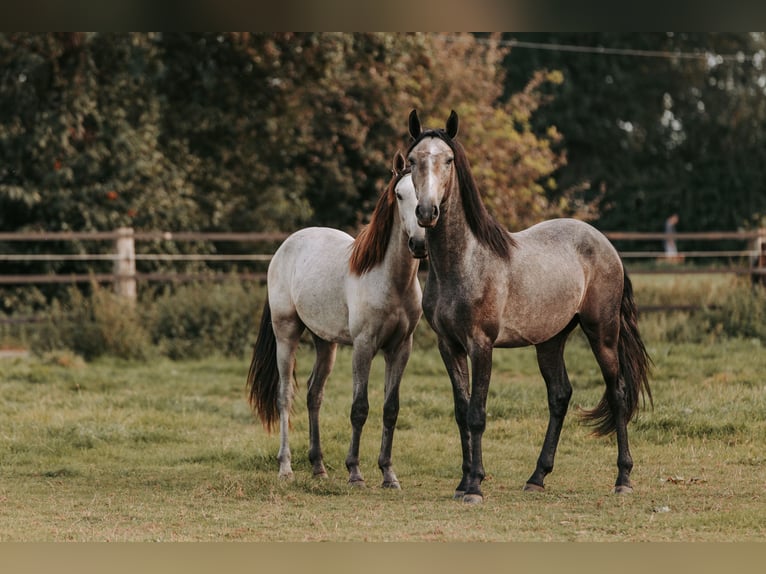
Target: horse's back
(307,277)
(569,242)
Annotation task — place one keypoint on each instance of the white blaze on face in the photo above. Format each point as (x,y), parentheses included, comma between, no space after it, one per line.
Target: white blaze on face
(432,162)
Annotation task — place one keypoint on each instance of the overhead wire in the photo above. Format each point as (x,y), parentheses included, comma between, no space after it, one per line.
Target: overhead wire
(707,56)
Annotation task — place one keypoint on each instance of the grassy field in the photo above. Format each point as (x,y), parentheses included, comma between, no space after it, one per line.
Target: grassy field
(168,451)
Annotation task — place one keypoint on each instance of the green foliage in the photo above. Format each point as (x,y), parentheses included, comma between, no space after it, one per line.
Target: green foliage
(184,322)
(95,325)
(200,320)
(654,135)
(210,319)
(741,312)
(247,131)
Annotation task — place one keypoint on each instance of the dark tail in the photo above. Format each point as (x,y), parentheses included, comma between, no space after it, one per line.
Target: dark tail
(263,376)
(634,368)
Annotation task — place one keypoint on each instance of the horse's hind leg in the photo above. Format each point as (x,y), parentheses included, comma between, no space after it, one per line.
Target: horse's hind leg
(395,364)
(360,408)
(287,332)
(325,359)
(550,358)
(613,408)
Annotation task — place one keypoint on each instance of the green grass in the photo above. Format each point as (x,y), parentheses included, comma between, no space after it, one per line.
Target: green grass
(168,451)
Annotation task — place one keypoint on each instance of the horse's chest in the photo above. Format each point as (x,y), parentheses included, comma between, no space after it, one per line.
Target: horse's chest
(449,314)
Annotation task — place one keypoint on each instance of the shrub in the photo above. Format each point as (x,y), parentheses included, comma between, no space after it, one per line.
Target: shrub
(203,319)
(99,324)
(741,312)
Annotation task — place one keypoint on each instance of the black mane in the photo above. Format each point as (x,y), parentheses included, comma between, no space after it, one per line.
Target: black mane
(483,226)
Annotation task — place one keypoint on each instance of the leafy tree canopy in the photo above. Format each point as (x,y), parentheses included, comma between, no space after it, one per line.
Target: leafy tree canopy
(253,132)
(656,123)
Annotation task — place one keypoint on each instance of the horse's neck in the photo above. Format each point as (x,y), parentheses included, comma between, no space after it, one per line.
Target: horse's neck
(398,263)
(450,239)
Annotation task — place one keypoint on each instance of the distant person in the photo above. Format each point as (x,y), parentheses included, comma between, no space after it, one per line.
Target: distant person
(671,251)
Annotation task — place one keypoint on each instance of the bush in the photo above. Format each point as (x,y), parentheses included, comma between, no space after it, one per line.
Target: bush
(95,325)
(203,319)
(740,313)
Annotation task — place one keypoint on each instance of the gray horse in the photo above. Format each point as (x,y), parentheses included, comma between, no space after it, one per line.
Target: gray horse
(488,288)
(362,292)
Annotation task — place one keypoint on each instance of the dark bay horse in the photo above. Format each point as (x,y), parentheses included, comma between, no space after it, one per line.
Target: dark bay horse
(362,292)
(489,288)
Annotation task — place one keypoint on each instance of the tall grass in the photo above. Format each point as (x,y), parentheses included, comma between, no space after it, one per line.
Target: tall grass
(728,307)
(196,320)
(186,321)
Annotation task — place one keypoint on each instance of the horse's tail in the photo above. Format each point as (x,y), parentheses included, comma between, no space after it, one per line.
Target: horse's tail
(263,376)
(634,368)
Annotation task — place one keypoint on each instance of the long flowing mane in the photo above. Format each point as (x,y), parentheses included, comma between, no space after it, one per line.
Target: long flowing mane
(483,226)
(371,244)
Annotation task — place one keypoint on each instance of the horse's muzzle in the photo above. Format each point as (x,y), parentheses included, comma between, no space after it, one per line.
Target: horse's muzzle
(418,248)
(427,215)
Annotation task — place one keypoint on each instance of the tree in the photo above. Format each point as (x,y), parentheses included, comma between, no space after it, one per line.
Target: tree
(655,134)
(80,136)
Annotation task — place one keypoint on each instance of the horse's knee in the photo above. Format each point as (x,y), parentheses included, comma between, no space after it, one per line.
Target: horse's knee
(390,413)
(477,420)
(359,412)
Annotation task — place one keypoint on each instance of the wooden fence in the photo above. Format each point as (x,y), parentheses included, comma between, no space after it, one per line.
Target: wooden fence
(747,258)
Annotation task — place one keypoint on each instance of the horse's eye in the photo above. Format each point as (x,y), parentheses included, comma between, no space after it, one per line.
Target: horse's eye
(449,161)
(399,196)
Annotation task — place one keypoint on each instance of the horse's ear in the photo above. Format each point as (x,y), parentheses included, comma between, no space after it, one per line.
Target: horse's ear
(452,124)
(414,124)
(399,162)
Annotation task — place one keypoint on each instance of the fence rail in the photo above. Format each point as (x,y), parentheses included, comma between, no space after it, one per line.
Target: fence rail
(750,259)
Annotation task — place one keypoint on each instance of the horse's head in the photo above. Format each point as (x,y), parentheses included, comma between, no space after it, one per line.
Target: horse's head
(432,161)
(406,202)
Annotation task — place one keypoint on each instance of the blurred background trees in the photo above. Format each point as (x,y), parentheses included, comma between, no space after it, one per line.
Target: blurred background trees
(680,127)
(264,132)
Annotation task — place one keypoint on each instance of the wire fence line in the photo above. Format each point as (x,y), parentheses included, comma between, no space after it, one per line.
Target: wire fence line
(748,259)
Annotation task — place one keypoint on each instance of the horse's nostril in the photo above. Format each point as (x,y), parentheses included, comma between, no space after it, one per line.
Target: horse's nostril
(435,213)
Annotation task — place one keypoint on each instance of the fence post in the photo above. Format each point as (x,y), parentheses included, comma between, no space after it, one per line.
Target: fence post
(760,245)
(125,264)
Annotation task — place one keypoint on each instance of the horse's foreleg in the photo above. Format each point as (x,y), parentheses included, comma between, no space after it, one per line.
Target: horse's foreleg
(325,359)
(481,371)
(360,407)
(456,362)
(550,358)
(395,364)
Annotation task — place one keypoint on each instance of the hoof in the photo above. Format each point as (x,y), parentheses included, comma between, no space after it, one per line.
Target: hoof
(392,484)
(459,494)
(473,498)
(286,476)
(321,475)
(623,489)
(531,487)
(357,483)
